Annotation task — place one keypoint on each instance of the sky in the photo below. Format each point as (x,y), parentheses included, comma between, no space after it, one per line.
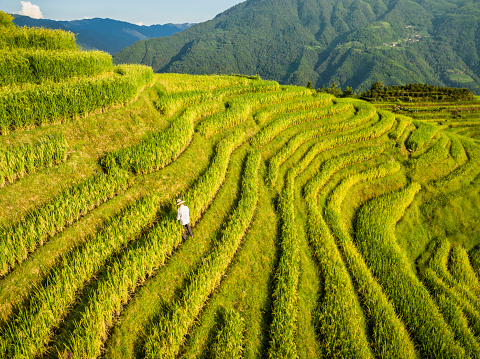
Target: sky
(141,12)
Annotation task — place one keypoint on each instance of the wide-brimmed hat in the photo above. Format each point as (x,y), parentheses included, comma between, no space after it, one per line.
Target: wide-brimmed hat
(179,202)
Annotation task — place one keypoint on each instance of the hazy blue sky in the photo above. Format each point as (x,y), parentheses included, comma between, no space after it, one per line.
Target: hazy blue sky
(143,12)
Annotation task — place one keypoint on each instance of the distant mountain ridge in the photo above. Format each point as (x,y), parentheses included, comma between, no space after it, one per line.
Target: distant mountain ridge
(104,34)
(347,42)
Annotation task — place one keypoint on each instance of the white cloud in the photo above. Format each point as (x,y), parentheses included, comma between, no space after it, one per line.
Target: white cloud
(28,9)
(140,23)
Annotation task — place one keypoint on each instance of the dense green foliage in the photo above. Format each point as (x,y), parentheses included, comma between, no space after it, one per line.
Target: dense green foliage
(416,92)
(324,42)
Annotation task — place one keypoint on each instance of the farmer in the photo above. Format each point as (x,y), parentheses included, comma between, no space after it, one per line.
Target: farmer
(183,215)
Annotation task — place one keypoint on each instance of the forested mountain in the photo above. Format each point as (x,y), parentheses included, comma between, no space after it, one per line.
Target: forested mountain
(103,34)
(347,42)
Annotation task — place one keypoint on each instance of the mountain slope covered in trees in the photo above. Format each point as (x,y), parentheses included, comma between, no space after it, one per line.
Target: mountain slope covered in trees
(347,42)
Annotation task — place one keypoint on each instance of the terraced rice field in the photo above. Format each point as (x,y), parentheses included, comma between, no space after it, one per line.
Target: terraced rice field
(323,227)
(461,118)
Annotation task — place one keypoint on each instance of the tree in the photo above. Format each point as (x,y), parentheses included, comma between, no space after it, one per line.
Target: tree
(335,91)
(322,89)
(377,87)
(348,92)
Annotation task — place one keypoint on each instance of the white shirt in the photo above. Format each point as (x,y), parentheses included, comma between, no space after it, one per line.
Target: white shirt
(183,215)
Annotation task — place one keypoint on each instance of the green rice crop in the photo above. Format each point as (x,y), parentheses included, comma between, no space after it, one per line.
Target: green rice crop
(434,154)
(13,38)
(168,104)
(376,240)
(130,286)
(345,337)
(238,110)
(458,322)
(174,82)
(6,20)
(439,264)
(462,270)
(34,105)
(36,66)
(466,172)
(363,113)
(456,149)
(315,100)
(144,257)
(27,333)
(159,149)
(364,133)
(168,334)
(207,186)
(20,239)
(389,335)
(457,311)
(285,297)
(228,343)
(333,125)
(228,83)
(281,123)
(421,136)
(23,159)
(115,286)
(341,320)
(251,87)
(402,123)
(475,260)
